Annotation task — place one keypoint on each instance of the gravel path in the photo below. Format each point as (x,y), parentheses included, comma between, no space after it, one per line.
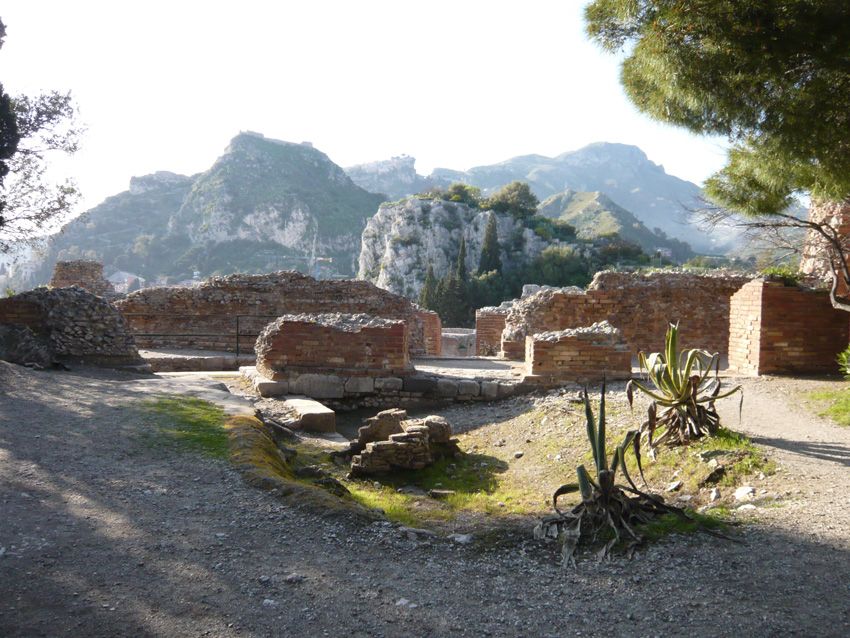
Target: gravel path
(101,535)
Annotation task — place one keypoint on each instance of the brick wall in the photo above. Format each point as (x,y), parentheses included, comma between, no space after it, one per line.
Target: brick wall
(639,305)
(776,329)
(489,323)
(582,355)
(88,275)
(337,343)
(432,328)
(77,325)
(206,317)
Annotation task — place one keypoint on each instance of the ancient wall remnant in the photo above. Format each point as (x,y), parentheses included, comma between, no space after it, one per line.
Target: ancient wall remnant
(778,329)
(458,342)
(208,316)
(815,260)
(354,345)
(489,323)
(78,326)
(640,305)
(390,441)
(432,329)
(583,355)
(82,273)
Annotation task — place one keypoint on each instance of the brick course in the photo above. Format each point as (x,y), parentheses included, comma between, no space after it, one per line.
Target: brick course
(489,323)
(432,330)
(639,305)
(353,345)
(205,317)
(777,329)
(84,274)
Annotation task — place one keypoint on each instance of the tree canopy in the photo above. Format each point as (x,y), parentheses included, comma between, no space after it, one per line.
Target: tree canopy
(772,76)
(515,198)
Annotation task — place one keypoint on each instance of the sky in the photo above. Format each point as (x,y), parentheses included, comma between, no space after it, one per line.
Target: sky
(455,84)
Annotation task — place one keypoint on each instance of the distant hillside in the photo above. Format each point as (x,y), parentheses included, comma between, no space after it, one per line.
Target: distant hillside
(395,178)
(263,205)
(622,172)
(595,215)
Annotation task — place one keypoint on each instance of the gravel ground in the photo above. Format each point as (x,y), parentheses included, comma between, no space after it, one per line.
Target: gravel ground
(102,535)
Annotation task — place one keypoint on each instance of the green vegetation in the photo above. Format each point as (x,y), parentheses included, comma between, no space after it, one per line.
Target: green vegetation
(490,259)
(682,393)
(788,275)
(833,404)
(515,198)
(843,361)
(188,423)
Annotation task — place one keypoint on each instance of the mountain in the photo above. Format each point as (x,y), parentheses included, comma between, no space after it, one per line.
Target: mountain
(396,177)
(622,172)
(263,205)
(595,215)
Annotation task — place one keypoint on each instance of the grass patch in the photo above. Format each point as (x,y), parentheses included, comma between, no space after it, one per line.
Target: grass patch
(189,423)
(672,524)
(833,404)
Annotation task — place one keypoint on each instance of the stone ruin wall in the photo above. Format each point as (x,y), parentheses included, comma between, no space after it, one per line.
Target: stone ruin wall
(489,324)
(580,355)
(639,305)
(205,317)
(777,329)
(76,325)
(84,274)
(432,330)
(814,261)
(355,345)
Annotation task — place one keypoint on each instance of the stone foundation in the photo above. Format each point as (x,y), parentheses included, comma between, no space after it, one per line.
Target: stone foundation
(76,325)
(639,305)
(87,275)
(207,317)
(582,355)
(489,324)
(777,329)
(458,342)
(348,345)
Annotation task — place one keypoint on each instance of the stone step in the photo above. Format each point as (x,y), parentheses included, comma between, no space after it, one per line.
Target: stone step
(312,415)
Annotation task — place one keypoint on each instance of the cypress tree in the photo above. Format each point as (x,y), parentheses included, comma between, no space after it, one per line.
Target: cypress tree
(428,294)
(460,269)
(490,258)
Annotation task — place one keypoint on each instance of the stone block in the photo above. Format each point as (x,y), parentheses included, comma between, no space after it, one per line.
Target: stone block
(267,388)
(446,388)
(489,389)
(318,386)
(312,415)
(468,387)
(388,384)
(422,385)
(360,385)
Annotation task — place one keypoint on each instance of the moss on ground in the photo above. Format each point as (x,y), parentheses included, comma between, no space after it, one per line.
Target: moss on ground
(187,423)
(833,404)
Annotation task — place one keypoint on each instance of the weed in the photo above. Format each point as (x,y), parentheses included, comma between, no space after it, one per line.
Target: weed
(833,404)
(188,423)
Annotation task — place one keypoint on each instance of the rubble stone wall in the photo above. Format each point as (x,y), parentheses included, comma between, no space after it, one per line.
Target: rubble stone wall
(777,329)
(78,325)
(583,355)
(205,317)
(358,345)
(489,324)
(432,329)
(815,259)
(82,273)
(640,305)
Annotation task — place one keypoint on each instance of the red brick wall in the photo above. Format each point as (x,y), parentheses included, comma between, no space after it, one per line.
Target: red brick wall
(85,274)
(776,329)
(302,343)
(639,305)
(432,328)
(489,324)
(205,317)
(582,356)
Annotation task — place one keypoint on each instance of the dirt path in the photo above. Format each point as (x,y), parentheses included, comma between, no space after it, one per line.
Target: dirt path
(100,535)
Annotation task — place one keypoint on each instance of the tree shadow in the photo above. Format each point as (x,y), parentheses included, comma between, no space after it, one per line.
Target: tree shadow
(833,452)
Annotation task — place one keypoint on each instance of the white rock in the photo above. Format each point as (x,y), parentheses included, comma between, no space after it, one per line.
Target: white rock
(714,494)
(745,492)
(463,539)
(745,508)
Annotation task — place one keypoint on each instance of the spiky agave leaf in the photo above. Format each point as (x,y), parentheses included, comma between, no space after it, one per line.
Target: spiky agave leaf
(601,456)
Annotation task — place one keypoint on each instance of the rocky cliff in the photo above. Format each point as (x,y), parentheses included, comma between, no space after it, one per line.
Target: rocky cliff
(395,177)
(263,205)
(403,238)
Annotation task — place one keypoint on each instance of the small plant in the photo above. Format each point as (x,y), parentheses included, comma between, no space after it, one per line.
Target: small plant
(843,360)
(683,393)
(788,275)
(607,511)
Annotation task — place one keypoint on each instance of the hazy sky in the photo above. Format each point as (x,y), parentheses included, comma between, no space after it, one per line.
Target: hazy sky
(165,85)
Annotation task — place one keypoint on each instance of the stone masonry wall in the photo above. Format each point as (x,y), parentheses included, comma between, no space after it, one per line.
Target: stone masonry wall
(85,274)
(583,355)
(815,259)
(357,345)
(205,317)
(78,325)
(639,305)
(777,329)
(432,329)
(489,323)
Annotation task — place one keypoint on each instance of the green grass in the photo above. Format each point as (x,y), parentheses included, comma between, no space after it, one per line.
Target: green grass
(672,524)
(188,423)
(833,404)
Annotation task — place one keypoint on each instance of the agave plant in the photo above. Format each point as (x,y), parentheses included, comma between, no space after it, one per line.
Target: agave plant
(607,511)
(683,393)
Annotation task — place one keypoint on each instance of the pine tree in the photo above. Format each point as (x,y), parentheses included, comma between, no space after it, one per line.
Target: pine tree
(490,258)
(428,294)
